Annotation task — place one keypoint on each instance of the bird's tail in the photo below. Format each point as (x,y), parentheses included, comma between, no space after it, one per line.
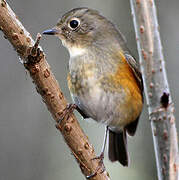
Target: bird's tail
(117,150)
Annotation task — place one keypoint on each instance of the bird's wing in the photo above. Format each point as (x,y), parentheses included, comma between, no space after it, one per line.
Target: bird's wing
(135,68)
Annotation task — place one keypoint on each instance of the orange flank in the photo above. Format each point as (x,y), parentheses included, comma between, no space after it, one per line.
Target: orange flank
(126,78)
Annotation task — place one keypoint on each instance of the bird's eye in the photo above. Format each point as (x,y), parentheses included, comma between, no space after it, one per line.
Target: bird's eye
(74,23)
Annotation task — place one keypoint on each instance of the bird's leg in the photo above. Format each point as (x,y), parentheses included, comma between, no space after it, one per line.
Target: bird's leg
(81,112)
(69,110)
(100,157)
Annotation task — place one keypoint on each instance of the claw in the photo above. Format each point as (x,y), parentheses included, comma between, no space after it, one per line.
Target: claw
(100,166)
(91,175)
(67,112)
(100,157)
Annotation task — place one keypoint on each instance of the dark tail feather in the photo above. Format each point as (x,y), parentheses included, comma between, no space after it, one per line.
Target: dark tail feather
(117,150)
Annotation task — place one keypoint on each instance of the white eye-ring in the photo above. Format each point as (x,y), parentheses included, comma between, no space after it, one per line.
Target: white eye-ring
(74,23)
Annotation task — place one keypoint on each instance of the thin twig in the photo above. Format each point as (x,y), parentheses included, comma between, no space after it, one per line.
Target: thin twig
(159,101)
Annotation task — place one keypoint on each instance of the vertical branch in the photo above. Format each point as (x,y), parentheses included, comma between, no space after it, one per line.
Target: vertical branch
(159,101)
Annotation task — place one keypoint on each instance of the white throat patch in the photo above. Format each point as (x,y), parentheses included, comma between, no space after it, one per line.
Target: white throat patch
(76,51)
(73,51)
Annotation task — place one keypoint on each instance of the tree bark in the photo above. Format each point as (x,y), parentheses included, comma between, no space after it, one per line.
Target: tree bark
(158,97)
(47,86)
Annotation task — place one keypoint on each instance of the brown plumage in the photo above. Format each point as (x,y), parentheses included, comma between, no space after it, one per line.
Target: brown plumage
(104,79)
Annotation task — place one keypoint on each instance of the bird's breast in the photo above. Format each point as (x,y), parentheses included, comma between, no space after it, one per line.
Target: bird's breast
(81,78)
(106,93)
(84,85)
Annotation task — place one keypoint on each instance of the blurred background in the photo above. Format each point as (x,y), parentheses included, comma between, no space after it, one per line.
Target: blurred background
(30,145)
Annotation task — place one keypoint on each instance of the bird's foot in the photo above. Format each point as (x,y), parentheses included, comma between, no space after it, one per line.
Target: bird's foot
(99,167)
(67,112)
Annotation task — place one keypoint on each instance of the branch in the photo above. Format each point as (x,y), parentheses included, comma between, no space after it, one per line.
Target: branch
(159,102)
(35,62)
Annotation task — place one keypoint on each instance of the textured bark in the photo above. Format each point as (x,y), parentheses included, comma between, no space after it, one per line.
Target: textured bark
(158,97)
(35,62)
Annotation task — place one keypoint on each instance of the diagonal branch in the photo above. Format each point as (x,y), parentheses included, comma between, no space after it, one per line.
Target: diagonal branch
(35,62)
(159,102)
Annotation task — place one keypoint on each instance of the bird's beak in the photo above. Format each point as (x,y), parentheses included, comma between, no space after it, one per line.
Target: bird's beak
(51,32)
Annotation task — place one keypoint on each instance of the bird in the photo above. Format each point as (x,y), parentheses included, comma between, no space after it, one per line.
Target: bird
(104,78)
